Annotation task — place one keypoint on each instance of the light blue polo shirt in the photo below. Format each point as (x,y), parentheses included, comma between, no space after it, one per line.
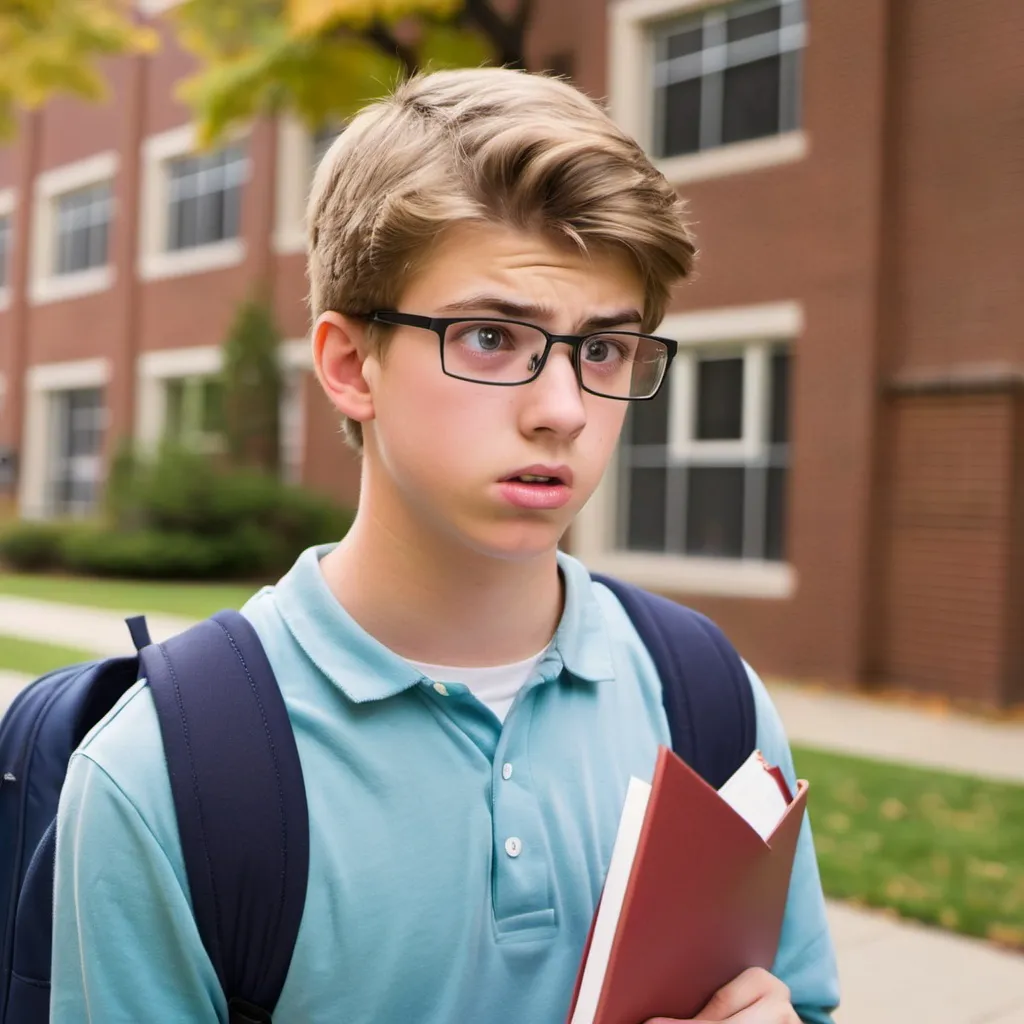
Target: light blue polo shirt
(444,887)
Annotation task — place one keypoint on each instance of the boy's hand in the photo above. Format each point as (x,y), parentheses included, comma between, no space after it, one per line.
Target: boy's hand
(755,997)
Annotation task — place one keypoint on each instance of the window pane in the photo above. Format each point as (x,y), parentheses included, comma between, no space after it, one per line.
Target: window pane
(79,249)
(646,517)
(648,421)
(775,515)
(743,26)
(714,511)
(751,100)
(212,414)
(779,429)
(680,117)
(719,399)
(681,43)
(174,415)
(205,198)
(232,209)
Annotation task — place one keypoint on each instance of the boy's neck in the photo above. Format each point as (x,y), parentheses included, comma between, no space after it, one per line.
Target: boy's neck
(442,603)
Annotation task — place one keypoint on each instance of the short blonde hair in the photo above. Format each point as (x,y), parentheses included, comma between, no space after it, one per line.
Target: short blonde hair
(492,145)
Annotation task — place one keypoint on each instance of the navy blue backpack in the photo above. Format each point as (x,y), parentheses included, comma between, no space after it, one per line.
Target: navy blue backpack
(239,792)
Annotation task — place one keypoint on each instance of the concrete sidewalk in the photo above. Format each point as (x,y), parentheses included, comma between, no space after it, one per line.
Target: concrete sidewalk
(891,971)
(89,629)
(883,729)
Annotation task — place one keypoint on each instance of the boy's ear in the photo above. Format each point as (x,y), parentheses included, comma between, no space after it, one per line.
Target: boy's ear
(339,351)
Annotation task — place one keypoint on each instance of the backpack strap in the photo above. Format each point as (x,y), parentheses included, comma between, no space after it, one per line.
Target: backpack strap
(705,688)
(240,801)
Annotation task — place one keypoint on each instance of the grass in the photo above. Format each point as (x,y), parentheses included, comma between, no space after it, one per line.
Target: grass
(190,600)
(34,659)
(942,848)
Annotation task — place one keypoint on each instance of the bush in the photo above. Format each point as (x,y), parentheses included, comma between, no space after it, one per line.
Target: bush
(28,546)
(182,517)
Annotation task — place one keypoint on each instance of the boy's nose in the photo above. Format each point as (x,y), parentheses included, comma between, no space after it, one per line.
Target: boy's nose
(555,399)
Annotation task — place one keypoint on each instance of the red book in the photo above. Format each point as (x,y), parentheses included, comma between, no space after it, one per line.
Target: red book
(695,892)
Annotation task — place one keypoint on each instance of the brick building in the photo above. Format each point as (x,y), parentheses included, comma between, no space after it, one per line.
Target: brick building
(835,471)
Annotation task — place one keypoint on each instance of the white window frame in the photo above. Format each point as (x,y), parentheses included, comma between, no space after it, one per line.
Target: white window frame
(631,97)
(8,205)
(154,369)
(45,284)
(594,531)
(295,149)
(38,448)
(156,261)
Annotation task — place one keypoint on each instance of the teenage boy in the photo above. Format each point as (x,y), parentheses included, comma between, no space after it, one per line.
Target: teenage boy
(488,256)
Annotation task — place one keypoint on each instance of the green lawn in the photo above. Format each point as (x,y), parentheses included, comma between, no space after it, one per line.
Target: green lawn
(31,658)
(942,848)
(192,600)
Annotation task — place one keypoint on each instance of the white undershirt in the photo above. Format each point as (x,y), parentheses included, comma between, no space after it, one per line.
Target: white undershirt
(496,686)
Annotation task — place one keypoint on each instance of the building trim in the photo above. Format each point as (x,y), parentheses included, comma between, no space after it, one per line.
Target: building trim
(736,158)
(79,373)
(45,285)
(730,324)
(630,100)
(294,156)
(965,379)
(296,354)
(155,261)
(593,535)
(181,362)
(712,577)
(68,177)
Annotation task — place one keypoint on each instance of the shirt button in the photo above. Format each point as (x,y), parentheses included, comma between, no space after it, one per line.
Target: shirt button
(513,846)
(506,771)
(441,689)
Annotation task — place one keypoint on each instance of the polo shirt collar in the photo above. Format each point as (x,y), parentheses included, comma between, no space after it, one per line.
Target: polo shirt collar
(365,670)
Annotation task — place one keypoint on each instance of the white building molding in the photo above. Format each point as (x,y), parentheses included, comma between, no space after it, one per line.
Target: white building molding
(294,163)
(45,285)
(155,260)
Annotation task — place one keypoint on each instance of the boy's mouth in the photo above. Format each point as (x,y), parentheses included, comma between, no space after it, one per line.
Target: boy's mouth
(542,476)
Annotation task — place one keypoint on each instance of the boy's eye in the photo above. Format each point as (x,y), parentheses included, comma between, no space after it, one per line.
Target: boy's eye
(602,350)
(488,338)
(483,337)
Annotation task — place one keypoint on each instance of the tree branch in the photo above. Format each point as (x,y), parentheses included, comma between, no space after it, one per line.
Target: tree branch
(507,36)
(380,34)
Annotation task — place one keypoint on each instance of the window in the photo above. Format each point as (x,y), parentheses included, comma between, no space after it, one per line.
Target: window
(82,221)
(728,74)
(703,466)
(204,198)
(6,236)
(194,417)
(79,421)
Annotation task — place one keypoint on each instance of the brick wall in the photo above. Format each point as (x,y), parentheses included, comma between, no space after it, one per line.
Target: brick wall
(943,600)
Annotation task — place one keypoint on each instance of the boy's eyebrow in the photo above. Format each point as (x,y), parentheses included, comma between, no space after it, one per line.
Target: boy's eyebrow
(517,310)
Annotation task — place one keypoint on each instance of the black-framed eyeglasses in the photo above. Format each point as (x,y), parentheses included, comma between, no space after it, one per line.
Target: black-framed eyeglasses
(506,353)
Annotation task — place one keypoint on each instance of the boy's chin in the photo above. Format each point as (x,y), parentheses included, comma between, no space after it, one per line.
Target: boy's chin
(517,542)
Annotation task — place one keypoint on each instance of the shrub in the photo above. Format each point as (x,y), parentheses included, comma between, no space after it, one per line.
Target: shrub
(28,546)
(182,517)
